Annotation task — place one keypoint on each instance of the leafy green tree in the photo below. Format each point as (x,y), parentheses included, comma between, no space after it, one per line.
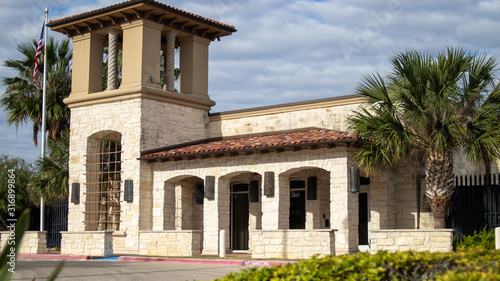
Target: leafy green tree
(51,176)
(431,105)
(22,100)
(18,172)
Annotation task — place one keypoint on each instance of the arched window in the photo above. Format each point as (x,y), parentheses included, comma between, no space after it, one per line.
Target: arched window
(103,186)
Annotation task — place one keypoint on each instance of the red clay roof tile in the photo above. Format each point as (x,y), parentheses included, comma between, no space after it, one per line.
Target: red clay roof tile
(252,142)
(132,2)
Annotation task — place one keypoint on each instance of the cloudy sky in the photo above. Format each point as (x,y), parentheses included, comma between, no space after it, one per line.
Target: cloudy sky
(284,50)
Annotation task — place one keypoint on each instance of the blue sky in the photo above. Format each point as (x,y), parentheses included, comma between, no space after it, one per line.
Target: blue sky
(284,50)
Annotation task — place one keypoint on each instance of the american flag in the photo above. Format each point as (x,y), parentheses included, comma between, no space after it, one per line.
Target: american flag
(38,54)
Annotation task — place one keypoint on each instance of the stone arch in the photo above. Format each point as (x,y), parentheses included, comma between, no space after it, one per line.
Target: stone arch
(306,185)
(226,202)
(183,203)
(103,181)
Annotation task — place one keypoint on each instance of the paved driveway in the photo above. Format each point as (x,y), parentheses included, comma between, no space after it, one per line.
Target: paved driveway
(94,270)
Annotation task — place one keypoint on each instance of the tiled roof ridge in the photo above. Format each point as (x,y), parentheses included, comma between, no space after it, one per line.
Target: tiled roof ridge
(131,2)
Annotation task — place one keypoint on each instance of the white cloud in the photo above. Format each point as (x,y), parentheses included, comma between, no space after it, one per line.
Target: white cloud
(291,50)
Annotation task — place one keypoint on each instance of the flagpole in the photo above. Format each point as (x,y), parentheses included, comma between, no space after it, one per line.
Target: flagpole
(44,94)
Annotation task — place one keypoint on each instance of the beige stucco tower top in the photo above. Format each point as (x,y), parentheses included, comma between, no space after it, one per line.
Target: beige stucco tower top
(142,29)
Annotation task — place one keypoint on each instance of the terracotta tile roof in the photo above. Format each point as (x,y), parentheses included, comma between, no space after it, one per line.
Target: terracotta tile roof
(247,144)
(133,2)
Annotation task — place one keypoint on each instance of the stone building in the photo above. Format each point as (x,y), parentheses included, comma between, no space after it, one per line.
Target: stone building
(153,172)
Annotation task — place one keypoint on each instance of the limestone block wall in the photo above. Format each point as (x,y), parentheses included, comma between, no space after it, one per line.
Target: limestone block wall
(433,240)
(143,124)
(174,243)
(397,201)
(462,166)
(343,205)
(87,243)
(33,242)
(166,124)
(122,117)
(292,244)
(329,115)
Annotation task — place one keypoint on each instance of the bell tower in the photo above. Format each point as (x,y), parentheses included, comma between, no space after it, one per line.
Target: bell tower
(119,110)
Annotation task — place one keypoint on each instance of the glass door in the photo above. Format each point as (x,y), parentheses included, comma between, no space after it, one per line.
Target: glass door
(297,205)
(239,217)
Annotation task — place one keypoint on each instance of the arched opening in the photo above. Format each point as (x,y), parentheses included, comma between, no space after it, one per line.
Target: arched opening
(103,181)
(183,203)
(245,209)
(306,198)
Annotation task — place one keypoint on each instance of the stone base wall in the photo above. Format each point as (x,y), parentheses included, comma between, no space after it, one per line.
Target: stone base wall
(173,243)
(292,244)
(87,243)
(34,242)
(124,246)
(433,240)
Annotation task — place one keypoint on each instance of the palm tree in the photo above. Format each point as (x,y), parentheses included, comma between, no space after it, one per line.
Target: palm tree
(51,172)
(431,105)
(23,100)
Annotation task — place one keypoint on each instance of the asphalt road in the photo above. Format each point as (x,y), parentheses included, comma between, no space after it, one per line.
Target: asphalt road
(95,270)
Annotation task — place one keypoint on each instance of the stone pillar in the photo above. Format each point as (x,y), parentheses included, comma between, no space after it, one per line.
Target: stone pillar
(178,206)
(87,64)
(271,206)
(169,62)
(211,223)
(343,208)
(158,205)
(194,66)
(382,200)
(141,54)
(112,59)
(169,206)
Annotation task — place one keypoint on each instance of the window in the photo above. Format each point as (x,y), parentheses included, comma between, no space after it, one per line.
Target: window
(102,205)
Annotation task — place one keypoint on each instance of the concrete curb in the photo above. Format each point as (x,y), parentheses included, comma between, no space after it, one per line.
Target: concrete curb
(53,256)
(166,260)
(206,261)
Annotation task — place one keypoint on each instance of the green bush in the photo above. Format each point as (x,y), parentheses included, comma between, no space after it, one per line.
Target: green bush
(464,265)
(482,240)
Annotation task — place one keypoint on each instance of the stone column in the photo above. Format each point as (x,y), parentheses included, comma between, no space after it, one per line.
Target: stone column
(343,207)
(87,64)
(271,205)
(211,222)
(169,62)
(193,63)
(141,51)
(112,59)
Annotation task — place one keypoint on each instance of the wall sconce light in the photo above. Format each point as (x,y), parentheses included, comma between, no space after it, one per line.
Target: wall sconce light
(75,192)
(355,183)
(269,183)
(210,187)
(128,194)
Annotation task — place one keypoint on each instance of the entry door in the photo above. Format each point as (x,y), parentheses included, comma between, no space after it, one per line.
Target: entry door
(297,205)
(364,222)
(239,217)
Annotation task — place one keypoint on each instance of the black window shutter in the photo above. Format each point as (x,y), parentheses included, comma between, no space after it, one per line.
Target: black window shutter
(312,187)
(199,193)
(254,191)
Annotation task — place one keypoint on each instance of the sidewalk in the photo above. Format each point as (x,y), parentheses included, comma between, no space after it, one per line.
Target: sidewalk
(187,260)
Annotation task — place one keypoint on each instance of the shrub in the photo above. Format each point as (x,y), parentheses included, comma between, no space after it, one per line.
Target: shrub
(464,265)
(482,240)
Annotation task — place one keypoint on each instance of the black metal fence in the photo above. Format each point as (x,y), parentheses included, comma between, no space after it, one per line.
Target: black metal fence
(474,205)
(56,220)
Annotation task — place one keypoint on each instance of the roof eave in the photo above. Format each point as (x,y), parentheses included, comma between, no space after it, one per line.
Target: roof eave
(85,22)
(277,148)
